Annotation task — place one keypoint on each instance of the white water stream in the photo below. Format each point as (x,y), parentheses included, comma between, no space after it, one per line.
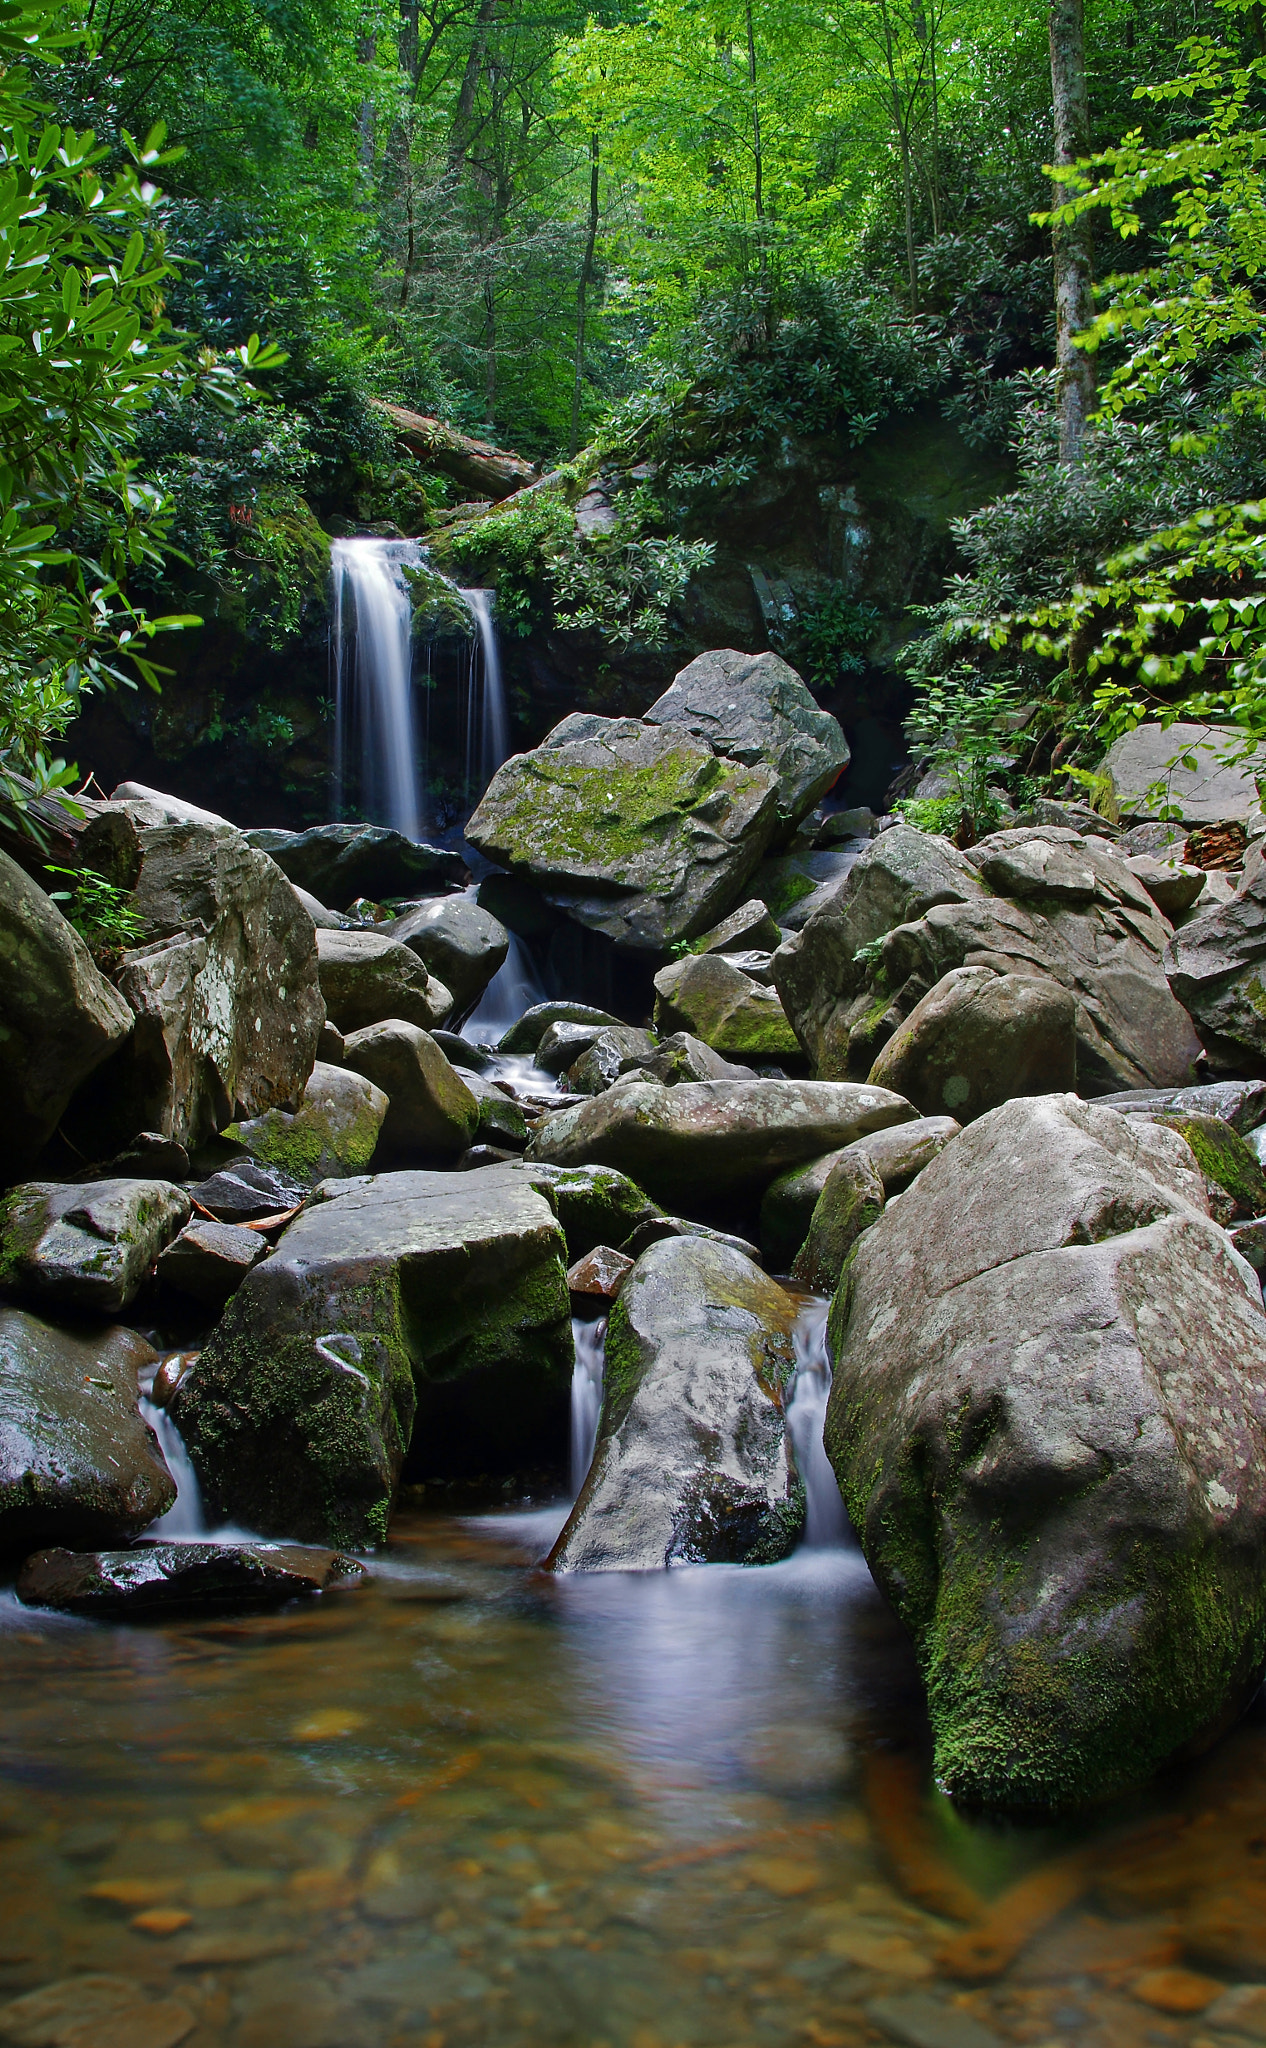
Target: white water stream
(826,1522)
(589,1339)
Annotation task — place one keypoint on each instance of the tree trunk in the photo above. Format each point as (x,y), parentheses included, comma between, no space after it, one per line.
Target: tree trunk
(493,472)
(1074,300)
(465,108)
(582,293)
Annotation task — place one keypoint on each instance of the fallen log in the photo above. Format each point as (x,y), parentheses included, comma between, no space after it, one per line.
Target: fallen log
(493,472)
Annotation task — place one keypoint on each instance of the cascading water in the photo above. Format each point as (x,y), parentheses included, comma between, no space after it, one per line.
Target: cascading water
(185,1518)
(826,1521)
(589,1339)
(373,606)
(487,722)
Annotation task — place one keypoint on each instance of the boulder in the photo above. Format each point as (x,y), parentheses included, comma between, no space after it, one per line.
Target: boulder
(501,1121)
(323,919)
(1217,970)
(89,1247)
(1025,902)
(461,1052)
(247,1192)
(431,1113)
(150,1156)
(77,1464)
(457,941)
(59,1018)
(334,1130)
(682,1057)
(529,1031)
(407,1308)
(209,1261)
(1205,794)
(851,1198)
(655,1228)
(977,1039)
(614,1052)
(594,1204)
(1030,1350)
(755,709)
(338,863)
(713,1141)
(180,1578)
(748,929)
(691,1464)
(224,993)
(1222,1156)
(1172,886)
(708,996)
(565,1042)
(1241,1103)
(109,2012)
(897,1155)
(367,977)
(637,831)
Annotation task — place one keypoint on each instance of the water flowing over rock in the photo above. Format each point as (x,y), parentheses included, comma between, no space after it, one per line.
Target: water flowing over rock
(713,1140)
(77,1464)
(1041,901)
(59,1017)
(88,1247)
(754,708)
(367,977)
(1048,1424)
(691,1464)
(407,1308)
(180,1578)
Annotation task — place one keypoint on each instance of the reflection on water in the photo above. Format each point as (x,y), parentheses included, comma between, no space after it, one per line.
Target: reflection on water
(471,1804)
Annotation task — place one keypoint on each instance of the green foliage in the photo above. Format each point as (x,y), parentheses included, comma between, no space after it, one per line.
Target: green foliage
(103,914)
(833,633)
(961,724)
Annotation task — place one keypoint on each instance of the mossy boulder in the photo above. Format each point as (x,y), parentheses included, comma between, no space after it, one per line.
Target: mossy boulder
(405,1310)
(708,996)
(1223,1155)
(755,708)
(89,1247)
(692,1464)
(431,1113)
(594,1204)
(527,1032)
(333,1132)
(850,1201)
(1048,1427)
(897,1155)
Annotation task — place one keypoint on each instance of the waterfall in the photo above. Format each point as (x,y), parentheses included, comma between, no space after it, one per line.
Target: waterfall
(185,1518)
(826,1522)
(487,724)
(379,701)
(513,989)
(589,1340)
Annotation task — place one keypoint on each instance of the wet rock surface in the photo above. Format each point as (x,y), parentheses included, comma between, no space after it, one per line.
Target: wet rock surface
(175,1578)
(1022,1422)
(462,945)
(692,1462)
(209,1261)
(86,1247)
(431,1113)
(77,1464)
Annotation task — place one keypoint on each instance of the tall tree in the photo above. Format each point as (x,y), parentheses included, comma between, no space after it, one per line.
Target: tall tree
(1071,240)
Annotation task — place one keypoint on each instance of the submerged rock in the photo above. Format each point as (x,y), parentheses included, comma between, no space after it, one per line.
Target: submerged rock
(338,863)
(1048,1424)
(367,977)
(209,1261)
(77,1464)
(174,1578)
(423,1308)
(457,941)
(334,1131)
(691,1464)
(754,708)
(59,1017)
(106,2011)
(88,1247)
(979,1038)
(431,1113)
(713,1140)
(707,995)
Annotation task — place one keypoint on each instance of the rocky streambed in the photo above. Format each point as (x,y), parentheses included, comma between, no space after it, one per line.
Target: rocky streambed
(833,1167)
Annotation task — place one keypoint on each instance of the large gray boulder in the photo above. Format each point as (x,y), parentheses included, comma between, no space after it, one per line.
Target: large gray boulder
(709,996)
(980,1037)
(77,1464)
(368,976)
(595,1204)
(1217,970)
(1204,794)
(59,1017)
(339,863)
(754,708)
(431,1113)
(333,1132)
(89,1247)
(1049,1426)
(897,1155)
(1030,901)
(462,945)
(713,1140)
(638,831)
(691,1464)
(224,990)
(409,1308)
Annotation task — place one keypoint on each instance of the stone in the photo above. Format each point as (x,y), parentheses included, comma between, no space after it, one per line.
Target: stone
(713,1139)
(853,1196)
(564,1043)
(460,1052)
(978,1038)
(913,909)
(594,1204)
(1239,1103)
(1207,793)
(612,1053)
(755,709)
(1249,1240)
(173,1578)
(601,1273)
(838,826)
(1216,966)
(246,1192)
(150,1156)
(224,989)
(691,1464)
(654,1229)
(77,1464)
(897,1155)
(209,1261)
(757,966)
(902,1151)
(94,2011)
(457,942)
(501,1120)
(637,831)
(526,1034)
(1164,841)
(796,885)
(1172,886)
(1222,1155)
(59,1017)
(921,2021)
(1030,1350)
(1241,2009)
(682,1057)
(706,995)
(1074,817)
(431,1113)
(323,919)
(422,1309)
(748,928)
(86,1247)
(338,863)
(334,1131)
(367,977)
(1225,1929)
